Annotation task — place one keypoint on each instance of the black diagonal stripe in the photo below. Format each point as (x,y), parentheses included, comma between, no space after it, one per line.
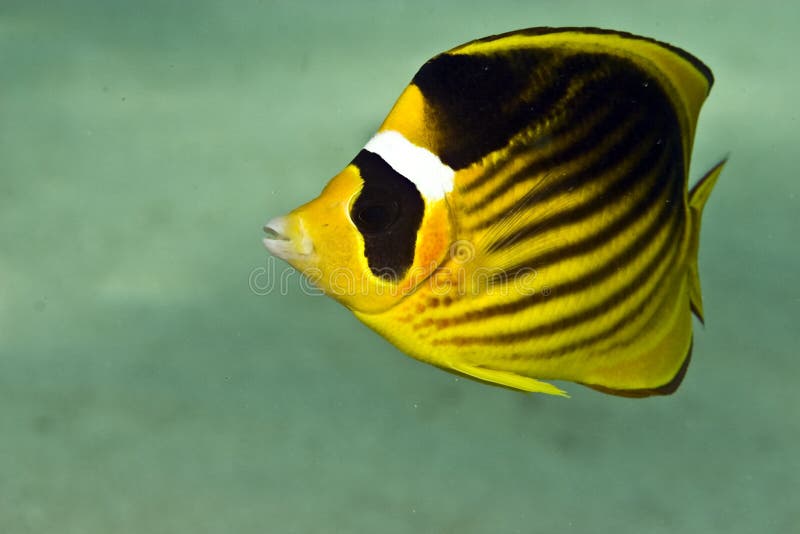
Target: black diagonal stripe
(645,169)
(631,129)
(616,326)
(669,248)
(631,336)
(478,102)
(599,239)
(584,105)
(630,98)
(586,281)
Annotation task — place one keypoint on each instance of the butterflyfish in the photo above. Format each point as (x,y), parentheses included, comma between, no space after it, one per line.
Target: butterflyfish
(522,214)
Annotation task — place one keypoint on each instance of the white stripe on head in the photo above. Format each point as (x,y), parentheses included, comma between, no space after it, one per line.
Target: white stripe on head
(423,168)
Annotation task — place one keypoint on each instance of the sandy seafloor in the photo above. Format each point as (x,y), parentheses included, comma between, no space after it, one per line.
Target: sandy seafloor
(144,388)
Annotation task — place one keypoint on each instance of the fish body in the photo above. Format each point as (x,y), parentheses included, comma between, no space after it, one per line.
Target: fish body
(522,214)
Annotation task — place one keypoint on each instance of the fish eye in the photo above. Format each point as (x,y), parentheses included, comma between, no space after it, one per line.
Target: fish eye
(387,212)
(374,218)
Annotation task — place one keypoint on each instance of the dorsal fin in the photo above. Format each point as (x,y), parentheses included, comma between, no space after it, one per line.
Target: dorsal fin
(586,125)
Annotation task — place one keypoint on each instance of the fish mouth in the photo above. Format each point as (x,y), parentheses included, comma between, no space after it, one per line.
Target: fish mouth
(287,239)
(273,234)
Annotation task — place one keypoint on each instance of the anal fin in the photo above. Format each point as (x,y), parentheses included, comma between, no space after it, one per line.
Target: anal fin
(667,389)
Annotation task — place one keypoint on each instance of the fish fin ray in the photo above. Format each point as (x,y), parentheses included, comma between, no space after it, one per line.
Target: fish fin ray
(690,78)
(697,200)
(507,379)
(590,37)
(511,223)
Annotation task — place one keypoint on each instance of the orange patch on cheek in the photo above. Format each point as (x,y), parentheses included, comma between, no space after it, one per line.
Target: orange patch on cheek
(434,238)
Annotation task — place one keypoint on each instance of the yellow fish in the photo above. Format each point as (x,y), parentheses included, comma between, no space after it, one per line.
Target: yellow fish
(523,214)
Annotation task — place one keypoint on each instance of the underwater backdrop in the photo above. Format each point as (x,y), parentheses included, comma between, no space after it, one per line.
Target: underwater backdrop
(160,373)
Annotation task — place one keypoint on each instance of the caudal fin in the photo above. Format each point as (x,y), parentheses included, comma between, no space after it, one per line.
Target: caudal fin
(697,199)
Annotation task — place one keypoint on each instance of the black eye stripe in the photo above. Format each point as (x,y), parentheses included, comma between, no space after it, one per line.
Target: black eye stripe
(388,213)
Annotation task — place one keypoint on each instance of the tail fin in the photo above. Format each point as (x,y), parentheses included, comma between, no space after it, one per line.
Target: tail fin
(697,199)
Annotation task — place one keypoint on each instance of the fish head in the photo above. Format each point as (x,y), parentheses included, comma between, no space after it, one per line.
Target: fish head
(367,246)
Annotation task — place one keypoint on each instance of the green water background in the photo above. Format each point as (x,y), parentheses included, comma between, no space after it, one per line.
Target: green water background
(146,388)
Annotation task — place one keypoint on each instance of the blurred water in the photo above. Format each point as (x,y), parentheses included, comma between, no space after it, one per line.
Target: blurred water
(145,388)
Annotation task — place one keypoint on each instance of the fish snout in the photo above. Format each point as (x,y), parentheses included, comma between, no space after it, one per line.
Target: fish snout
(287,239)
